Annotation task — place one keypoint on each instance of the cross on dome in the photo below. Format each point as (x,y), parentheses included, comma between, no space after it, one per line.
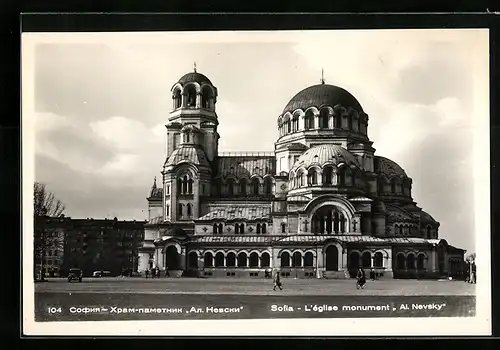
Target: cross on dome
(322,76)
(194,66)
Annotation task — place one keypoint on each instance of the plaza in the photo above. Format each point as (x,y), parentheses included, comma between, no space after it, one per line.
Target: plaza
(241,286)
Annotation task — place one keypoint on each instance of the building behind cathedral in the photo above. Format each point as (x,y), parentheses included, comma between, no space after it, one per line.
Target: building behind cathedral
(322,204)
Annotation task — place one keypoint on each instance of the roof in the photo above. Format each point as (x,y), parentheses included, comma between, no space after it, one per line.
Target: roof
(243,165)
(326,153)
(322,95)
(194,77)
(386,166)
(308,239)
(238,212)
(187,153)
(426,217)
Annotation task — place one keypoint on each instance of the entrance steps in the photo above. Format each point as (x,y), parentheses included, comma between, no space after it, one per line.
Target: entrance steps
(336,275)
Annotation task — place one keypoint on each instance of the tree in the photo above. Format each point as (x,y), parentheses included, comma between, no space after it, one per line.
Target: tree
(471,257)
(46,206)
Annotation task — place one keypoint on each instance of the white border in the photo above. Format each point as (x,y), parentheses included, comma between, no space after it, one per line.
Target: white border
(479,325)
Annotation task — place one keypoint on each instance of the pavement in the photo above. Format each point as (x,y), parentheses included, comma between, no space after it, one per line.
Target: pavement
(238,286)
(191,298)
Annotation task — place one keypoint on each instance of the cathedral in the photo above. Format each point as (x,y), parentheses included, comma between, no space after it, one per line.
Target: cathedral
(321,205)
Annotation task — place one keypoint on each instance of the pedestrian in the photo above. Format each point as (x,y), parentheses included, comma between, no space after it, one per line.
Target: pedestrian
(146,272)
(361,278)
(277,281)
(372,274)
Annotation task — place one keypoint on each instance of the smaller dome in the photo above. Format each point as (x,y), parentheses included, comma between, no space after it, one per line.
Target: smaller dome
(187,153)
(194,77)
(386,166)
(426,217)
(327,153)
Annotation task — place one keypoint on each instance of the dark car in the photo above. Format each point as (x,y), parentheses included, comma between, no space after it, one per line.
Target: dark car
(75,274)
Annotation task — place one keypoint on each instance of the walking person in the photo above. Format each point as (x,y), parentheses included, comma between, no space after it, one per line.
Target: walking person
(277,281)
(361,279)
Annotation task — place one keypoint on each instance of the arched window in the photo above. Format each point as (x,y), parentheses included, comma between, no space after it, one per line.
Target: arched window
(187,137)
(253,260)
(400,261)
(309,120)
(220,228)
(255,187)
(242,259)
(378,260)
(189,210)
(191,96)
(265,260)
(177,98)
(219,259)
(396,229)
(288,126)
(308,259)
(180,210)
(258,228)
(190,186)
(243,187)
(312,177)
(168,210)
(231,260)
(285,259)
(185,184)
(263,228)
(215,229)
(401,229)
(268,186)
(236,228)
(323,116)
(297,259)
(283,227)
(366,260)
(230,187)
(193,260)
(242,228)
(206,97)
(421,262)
(410,262)
(393,186)
(327,175)
(428,229)
(295,123)
(208,259)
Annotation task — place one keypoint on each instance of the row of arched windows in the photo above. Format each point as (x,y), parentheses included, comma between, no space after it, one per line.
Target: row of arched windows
(394,186)
(324,120)
(230,259)
(366,260)
(410,262)
(243,187)
(404,230)
(189,98)
(297,260)
(187,213)
(184,185)
(344,176)
(239,228)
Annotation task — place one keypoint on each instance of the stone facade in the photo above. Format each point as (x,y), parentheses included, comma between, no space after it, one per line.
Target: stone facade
(322,204)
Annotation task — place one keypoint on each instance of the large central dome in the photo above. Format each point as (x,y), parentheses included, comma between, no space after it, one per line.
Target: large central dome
(322,95)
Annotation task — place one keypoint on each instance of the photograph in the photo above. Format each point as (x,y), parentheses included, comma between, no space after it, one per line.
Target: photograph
(256,183)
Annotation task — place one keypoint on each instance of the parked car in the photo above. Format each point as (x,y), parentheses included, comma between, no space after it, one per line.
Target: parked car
(101,273)
(75,274)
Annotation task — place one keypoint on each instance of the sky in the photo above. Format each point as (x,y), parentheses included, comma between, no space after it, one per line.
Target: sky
(101,102)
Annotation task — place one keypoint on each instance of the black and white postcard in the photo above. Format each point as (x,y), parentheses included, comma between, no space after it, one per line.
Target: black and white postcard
(306,183)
